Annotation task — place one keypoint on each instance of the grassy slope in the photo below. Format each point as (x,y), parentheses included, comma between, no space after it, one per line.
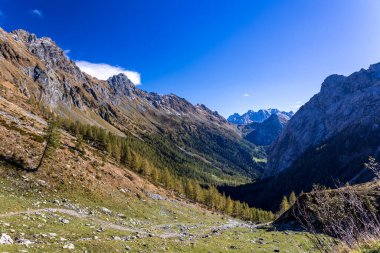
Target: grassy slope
(88,183)
(19,192)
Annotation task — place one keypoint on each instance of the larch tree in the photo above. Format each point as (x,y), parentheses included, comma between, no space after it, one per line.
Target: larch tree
(292,198)
(52,140)
(284,205)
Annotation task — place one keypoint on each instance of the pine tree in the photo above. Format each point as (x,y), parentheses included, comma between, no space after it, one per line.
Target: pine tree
(179,186)
(167,179)
(229,206)
(52,139)
(79,143)
(284,205)
(214,197)
(155,175)
(237,208)
(108,146)
(246,213)
(292,198)
(189,189)
(116,152)
(146,168)
(198,192)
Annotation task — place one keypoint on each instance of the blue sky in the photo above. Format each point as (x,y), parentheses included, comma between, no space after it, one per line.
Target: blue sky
(230,55)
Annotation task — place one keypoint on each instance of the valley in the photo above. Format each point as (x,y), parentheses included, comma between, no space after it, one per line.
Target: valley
(84,202)
(89,165)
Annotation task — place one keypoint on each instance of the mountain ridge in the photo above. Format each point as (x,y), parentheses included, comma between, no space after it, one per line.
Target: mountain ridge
(327,142)
(256,116)
(343,102)
(38,72)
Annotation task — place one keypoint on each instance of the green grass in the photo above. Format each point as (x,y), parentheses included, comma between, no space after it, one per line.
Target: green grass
(159,217)
(373,247)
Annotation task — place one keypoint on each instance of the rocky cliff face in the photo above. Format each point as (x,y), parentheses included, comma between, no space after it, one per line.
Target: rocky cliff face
(343,106)
(265,133)
(259,116)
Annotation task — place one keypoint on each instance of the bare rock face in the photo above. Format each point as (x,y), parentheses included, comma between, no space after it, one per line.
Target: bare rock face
(55,74)
(342,103)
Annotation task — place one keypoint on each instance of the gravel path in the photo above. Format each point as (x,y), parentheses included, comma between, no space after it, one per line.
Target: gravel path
(232,223)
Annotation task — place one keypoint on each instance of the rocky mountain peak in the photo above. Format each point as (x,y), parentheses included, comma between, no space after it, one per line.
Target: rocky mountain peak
(121,85)
(46,49)
(343,103)
(256,116)
(24,36)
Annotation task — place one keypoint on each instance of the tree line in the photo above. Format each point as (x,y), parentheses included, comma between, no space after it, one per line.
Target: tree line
(122,151)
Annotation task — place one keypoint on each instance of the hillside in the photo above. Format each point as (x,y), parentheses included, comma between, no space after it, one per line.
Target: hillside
(195,141)
(328,149)
(346,108)
(350,214)
(81,199)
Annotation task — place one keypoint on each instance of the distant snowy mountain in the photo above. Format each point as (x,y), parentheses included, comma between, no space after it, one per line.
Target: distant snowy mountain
(259,116)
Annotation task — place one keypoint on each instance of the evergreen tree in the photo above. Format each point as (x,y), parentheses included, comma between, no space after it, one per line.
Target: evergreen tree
(155,175)
(198,192)
(284,205)
(229,206)
(189,189)
(292,198)
(116,152)
(79,143)
(167,179)
(146,168)
(52,139)
(237,208)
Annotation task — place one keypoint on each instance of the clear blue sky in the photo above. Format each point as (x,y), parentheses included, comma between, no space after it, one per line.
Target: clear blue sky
(276,53)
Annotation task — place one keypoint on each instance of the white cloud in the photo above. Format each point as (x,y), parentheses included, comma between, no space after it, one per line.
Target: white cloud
(246,95)
(103,71)
(37,12)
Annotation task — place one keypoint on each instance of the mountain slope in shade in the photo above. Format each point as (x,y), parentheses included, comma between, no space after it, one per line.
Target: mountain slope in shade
(36,71)
(343,105)
(326,142)
(259,116)
(265,133)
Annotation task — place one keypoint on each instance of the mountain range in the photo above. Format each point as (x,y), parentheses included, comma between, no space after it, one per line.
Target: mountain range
(256,116)
(192,139)
(325,142)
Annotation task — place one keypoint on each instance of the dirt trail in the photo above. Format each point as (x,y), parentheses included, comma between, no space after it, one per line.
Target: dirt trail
(106,224)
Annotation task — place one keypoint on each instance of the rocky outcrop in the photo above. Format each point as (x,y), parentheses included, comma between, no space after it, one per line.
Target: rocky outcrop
(259,116)
(343,106)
